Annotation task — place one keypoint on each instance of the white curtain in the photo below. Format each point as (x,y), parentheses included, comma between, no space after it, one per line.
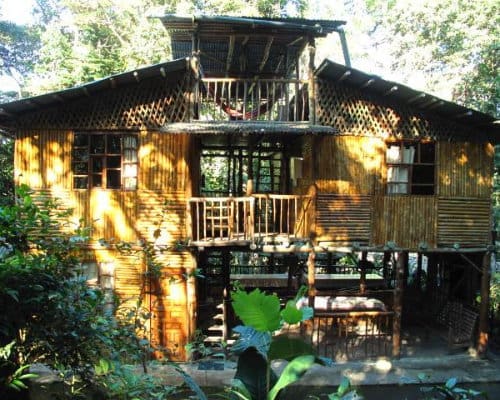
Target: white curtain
(398,175)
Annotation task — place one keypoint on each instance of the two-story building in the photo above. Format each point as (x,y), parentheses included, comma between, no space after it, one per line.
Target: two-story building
(241,157)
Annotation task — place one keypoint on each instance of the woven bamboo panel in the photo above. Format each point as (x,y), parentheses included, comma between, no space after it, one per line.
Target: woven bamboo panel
(405,220)
(465,169)
(149,104)
(161,210)
(354,113)
(342,218)
(63,202)
(349,165)
(165,162)
(464,221)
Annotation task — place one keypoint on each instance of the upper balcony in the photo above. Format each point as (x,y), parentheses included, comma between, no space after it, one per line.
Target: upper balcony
(271,100)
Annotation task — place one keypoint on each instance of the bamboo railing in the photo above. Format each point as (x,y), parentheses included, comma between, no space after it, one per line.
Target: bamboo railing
(252,99)
(249,218)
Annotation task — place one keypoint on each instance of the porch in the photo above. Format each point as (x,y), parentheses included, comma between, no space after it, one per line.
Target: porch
(248,220)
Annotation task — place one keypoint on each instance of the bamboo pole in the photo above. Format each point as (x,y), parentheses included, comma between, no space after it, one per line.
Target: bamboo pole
(311,276)
(482,344)
(398,303)
(362,273)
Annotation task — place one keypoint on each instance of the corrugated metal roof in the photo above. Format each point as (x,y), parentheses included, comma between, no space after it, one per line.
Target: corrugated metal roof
(246,127)
(241,133)
(241,47)
(406,96)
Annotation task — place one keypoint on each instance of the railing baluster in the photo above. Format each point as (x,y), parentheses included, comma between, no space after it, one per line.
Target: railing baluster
(273,94)
(245,94)
(248,218)
(281,99)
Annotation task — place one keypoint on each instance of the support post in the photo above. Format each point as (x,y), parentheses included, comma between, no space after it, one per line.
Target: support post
(311,277)
(362,273)
(418,276)
(482,344)
(311,84)
(398,303)
(385,262)
(345,50)
(226,301)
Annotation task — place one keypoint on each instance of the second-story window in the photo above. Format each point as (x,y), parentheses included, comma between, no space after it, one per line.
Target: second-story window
(411,167)
(105,160)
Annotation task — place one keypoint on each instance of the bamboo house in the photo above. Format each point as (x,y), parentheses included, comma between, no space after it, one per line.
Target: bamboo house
(243,163)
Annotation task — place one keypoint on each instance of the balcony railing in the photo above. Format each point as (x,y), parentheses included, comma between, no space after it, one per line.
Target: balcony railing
(249,219)
(252,99)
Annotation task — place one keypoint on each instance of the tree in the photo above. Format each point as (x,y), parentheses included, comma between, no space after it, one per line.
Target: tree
(6,171)
(454,43)
(85,40)
(19,47)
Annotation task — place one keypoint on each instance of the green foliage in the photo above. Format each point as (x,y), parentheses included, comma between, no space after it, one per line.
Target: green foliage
(345,392)
(86,40)
(18,52)
(16,379)
(292,373)
(120,381)
(451,391)
(257,345)
(257,310)
(453,43)
(51,315)
(6,171)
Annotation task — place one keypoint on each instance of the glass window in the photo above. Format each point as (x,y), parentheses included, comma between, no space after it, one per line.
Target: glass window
(410,168)
(105,160)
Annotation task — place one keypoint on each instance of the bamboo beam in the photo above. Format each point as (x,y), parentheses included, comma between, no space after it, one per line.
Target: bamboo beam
(265,56)
(230,52)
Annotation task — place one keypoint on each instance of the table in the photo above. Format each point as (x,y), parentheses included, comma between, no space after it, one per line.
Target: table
(264,280)
(340,281)
(343,303)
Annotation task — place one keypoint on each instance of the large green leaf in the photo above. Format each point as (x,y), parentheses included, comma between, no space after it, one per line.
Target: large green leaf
(258,310)
(249,337)
(287,348)
(292,373)
(252,371)
(291,314)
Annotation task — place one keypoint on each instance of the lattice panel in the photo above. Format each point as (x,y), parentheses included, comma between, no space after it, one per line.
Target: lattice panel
(149,104)
(353,113)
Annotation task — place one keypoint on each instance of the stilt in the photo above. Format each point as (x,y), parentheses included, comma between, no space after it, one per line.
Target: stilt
(311,277)
(398,303)
(226,302)
(482,344)
(362,272)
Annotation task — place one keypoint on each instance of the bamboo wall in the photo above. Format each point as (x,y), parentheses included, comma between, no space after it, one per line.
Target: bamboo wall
(345,169)
(465,169)
(43,161)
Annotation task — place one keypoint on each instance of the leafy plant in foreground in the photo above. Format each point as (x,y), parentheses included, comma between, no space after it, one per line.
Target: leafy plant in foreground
(258,345)
(450,391)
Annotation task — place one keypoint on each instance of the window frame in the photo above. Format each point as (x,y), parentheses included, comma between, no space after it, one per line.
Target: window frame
(96,163)
(427,188)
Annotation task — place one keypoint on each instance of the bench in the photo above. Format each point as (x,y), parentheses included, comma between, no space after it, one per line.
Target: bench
(461,322)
